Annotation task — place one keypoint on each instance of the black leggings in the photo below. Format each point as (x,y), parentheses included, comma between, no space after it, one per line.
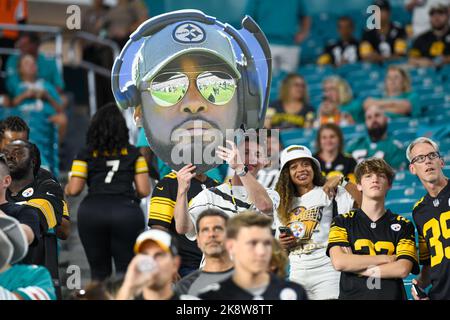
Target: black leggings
(108,226)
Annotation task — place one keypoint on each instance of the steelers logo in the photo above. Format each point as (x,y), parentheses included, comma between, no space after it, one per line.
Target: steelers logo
(189,32)
(298,229)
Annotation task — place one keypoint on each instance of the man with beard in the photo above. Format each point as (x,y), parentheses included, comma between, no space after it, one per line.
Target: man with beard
(211,226)
(14,128)
(432,48)
(149,275)
(377,143)
(43,194)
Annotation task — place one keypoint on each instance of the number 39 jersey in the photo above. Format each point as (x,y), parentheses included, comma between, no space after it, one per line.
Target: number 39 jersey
(432,218)
(109,173)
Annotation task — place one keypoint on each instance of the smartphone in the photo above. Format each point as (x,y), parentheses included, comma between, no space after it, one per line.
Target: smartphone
(286,230)
(419,291)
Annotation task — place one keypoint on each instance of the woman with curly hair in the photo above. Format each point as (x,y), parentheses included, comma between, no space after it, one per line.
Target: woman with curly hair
(109,217)
(308,203)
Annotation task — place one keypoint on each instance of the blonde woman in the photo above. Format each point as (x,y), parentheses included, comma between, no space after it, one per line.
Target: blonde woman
(292,109)
(398,99)
(337,98)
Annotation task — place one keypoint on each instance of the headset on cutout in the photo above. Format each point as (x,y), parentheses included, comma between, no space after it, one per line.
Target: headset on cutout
(249,43)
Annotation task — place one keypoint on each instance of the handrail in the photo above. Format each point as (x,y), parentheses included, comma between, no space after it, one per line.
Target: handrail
(92,38)
(57,31)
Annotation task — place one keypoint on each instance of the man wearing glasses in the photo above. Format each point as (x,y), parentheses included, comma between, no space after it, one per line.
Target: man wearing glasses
(431,215)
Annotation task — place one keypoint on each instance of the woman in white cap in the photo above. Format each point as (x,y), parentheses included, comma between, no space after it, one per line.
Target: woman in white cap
(308,203)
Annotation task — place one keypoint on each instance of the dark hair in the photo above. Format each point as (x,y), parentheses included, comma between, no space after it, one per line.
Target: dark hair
(108,131)
(247,219)
(210,213)
(346,18)
(33,36)
(374,165)
(15,124)
(335,128)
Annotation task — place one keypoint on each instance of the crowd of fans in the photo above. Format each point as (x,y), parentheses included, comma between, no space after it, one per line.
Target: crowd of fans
(310,225)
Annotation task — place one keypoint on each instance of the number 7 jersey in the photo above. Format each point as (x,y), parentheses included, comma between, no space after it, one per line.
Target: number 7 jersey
(432,219)
(109,173)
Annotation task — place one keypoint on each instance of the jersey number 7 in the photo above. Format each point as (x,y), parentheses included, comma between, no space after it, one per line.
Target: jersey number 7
(114,164)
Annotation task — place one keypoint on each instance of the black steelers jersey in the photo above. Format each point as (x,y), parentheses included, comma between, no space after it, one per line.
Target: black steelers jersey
(432,219)
(391,234)
(278,289)
(429,45)
(343,163)
(161,212)
(337,52)
(25,215)
(46,195)
(394,43)
(110,173)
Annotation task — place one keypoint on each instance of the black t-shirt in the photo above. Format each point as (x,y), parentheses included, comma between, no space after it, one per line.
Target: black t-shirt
(429,45)
(386,45)
(283,120)
(175,297)
(344,164)
(110,173)
(432,219)
(391,234)
(278,289)
(161,209)
(337,51)
(25,215)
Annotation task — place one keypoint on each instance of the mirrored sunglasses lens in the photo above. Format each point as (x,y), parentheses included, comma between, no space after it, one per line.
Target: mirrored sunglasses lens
(167,89)
(216,87)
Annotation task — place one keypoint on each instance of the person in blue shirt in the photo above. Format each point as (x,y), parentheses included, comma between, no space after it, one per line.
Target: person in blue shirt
(285,26)
(398,100)
(38,103)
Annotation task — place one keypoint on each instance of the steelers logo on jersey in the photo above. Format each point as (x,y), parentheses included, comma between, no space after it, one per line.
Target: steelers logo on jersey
(298,229)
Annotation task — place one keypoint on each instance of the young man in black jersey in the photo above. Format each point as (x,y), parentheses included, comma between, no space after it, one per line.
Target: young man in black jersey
(26,215)
(45,195)
(431,215)
(249,242)
(373,247)
(432,48)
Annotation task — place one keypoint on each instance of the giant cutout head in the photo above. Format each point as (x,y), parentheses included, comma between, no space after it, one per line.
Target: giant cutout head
(193,81)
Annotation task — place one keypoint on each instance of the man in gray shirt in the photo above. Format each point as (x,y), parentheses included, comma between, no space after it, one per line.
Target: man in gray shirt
(218,266)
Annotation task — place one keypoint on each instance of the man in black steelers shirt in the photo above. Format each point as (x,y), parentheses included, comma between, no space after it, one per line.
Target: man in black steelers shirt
(431,215)
(26,215)
(372,247)
(432,48)
(388,42)
(344,50)
(249,242)
(161,215)
(43,194)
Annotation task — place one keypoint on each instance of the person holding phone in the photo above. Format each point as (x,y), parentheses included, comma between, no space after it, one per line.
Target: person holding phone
(308,203)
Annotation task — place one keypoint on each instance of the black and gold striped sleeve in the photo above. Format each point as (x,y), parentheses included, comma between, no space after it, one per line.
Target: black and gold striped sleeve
(338,235)
(162,202)
(406,245)
(140,165)
(48,199)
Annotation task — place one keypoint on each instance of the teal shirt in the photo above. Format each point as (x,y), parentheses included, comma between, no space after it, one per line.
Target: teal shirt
(47,70)
(355,109)
(389,149)
(36,113)
(29,281)
(217,173)
(279,22)
(415,105)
